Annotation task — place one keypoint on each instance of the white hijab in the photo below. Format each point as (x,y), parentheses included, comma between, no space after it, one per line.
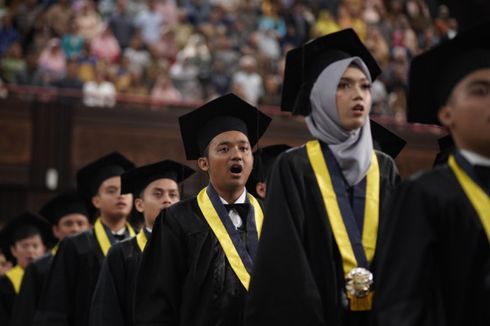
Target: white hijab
(351,148)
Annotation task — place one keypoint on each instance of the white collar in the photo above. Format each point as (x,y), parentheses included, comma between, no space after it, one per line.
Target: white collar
(240,199)
(120,232)
(474,158)
(148,229)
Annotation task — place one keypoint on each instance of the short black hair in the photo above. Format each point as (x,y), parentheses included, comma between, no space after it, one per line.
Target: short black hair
(25,232)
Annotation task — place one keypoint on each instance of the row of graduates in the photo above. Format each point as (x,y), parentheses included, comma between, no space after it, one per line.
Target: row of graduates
(341,243)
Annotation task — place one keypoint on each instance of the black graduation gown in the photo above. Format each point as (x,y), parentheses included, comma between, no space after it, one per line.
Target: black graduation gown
(184,276)
(7,299)
(298,276)
(112,301)
(434,259)
(28,298)
(67,293)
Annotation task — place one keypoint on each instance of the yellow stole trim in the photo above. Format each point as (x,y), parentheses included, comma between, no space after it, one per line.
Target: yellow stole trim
(141,240)
(219,230)
(371,209)
(54,250)
(103,239)
(477,197)
(15,275)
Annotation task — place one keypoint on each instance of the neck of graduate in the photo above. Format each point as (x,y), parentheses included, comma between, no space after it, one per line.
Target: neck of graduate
(114,223)
(229,194)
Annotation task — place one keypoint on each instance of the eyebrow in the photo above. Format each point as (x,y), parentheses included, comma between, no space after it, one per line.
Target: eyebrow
(229,142)
(478,82)
(349,79)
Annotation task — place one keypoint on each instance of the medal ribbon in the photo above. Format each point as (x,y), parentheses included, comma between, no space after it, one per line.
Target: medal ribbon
(216,215)
(477,197)
(15,275)
(356,248)
(103,239)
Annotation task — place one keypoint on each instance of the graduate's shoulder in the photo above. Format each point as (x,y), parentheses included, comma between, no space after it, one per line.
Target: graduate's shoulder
(81,243)
(42,263)
(295,156)
(436,183)
(384,160)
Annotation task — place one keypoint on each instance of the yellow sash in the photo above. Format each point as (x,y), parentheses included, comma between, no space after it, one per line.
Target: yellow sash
(54,250)
(103,239)
(141,240)
(224,239)
(15,275)
(371,210)
(478,198)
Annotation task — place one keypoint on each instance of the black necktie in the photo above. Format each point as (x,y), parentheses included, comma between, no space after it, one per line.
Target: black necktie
(119,237)
(242,210)
(483,174)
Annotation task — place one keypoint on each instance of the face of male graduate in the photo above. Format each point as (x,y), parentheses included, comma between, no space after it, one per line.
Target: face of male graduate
(467,112)
(70,224)
(109,200)
(353,98)
(229,161)
(28,249)
(159,194)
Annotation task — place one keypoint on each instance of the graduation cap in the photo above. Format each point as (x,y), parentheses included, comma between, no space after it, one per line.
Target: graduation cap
(22,227)
(68,202)
(91,176)
(434,74)
(386,141)
(305,63)
(446,147)
(226,113)
(136,180)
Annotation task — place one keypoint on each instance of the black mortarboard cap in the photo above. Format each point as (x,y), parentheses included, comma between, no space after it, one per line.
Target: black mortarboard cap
(22,224)
(385,140)
(91,176)
(136,180)
(433,74)
(446,148)
(226,113)
(264,158)
(305,63)
(68,202)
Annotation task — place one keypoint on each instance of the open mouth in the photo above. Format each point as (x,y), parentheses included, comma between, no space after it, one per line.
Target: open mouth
(358,108)
(236,169)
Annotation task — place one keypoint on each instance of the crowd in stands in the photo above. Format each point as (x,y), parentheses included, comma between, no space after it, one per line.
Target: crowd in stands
(194,50)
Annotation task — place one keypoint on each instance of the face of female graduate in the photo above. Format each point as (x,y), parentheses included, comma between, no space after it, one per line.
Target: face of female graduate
(229,161)
(353,98)
(467,112)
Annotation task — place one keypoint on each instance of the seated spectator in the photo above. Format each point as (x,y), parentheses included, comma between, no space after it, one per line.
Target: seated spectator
(99,92)
(247,83)
(71,80)
(52,61)
(122,75)
(72,43)
(166,47)
(164,91)
(8,34)
(184,73)
(12,63)
(220,79)
(325,24)
(31,75)
(150,22)
(105,47)
(271,20)
(121,23)
(136,85)
(26,14)
(138,57)
(88,21)
(197,11)
(272,94)
(87,63)
(59,16)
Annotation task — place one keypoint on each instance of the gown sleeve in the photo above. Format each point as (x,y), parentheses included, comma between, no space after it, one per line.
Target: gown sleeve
(282,289)
(159,280)
(106,308)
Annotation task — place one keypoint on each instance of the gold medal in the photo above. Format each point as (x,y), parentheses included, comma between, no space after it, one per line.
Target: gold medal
(358,287)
